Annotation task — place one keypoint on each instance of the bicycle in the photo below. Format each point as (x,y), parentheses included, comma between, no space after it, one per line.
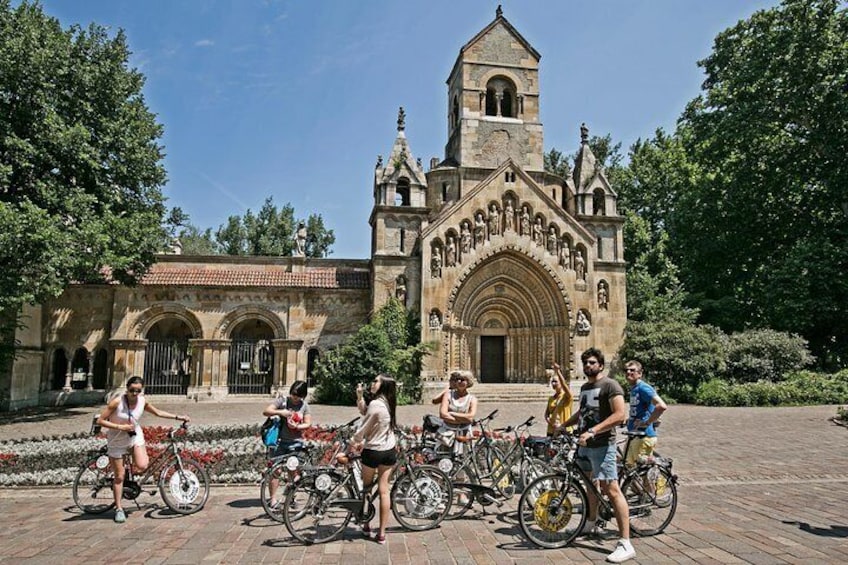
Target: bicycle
(283,467)
(323,500)
(182,482)
(553,509)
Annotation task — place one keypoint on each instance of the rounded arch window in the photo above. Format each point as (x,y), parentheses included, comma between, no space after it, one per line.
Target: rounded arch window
(402,192)
(598,202)
(501,99)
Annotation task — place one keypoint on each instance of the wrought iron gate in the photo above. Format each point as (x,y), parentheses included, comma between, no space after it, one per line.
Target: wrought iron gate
(251,369)
(166,367)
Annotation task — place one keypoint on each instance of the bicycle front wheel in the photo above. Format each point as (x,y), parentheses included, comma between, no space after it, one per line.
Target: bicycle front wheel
(552,510)
(277,476)
(652,498)
(309,511)
(93,486)
(184,485)
(421,498)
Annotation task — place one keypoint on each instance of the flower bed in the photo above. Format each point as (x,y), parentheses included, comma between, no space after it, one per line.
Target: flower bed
(231,454)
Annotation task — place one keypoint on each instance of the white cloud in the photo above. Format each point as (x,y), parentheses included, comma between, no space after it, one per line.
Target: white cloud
(204,43)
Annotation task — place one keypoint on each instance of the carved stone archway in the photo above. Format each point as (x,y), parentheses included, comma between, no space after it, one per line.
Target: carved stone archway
(513,293)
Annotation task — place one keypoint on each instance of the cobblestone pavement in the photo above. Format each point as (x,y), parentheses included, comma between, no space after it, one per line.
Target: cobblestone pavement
(757,485)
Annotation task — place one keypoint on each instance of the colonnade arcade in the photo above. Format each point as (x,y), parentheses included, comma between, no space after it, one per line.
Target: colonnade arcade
(507,318)
(247,352)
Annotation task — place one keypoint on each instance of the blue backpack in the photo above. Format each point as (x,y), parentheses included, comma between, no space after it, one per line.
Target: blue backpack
(270,431)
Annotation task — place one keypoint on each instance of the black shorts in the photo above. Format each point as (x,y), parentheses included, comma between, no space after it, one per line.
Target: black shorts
(373,459)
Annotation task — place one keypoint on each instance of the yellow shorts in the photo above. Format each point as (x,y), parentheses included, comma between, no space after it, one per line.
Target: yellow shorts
(639,447)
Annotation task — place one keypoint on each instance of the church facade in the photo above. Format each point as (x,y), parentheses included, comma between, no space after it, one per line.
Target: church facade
(510,268)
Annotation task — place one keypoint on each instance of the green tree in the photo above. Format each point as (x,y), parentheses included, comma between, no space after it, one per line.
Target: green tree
(197,242)
(80,159)
(761,237)
(271,231)
(557,163)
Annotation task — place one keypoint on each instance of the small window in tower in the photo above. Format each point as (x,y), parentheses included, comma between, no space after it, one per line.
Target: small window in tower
(455,112)
(402,193)
(491,102)
(507,103)
(402,240)
(444,192)
(598,204)
(553,193)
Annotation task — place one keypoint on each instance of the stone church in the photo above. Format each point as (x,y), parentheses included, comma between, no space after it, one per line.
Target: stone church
(510,268)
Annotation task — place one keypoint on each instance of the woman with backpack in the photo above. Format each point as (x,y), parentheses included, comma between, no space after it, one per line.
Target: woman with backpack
(294,417)
(379,444)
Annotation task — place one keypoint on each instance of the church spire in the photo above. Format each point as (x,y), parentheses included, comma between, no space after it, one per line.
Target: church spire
(401,121)
(584,164)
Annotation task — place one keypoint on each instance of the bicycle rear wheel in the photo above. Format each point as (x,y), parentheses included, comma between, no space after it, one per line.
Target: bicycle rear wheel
(533,468)
(552,510)
(280,474)
(652,498)
(184,486)
(93,486)
(421,498)
(308,511)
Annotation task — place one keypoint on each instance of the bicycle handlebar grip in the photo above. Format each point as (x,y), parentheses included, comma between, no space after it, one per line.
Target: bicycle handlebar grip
(492,415)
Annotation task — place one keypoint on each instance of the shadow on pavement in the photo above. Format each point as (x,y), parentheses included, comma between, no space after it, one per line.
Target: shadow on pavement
(260,521)
(245,503)
(834,531)
(43,413)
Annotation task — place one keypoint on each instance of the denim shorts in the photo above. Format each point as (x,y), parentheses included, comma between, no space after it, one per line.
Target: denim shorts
(284,448)
(600,461)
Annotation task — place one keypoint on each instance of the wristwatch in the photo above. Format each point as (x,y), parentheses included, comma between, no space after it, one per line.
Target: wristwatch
(591,431)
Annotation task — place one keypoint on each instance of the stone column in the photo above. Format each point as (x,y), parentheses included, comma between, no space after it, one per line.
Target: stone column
(89,375)
(68,373)
(286,363)
(210,357)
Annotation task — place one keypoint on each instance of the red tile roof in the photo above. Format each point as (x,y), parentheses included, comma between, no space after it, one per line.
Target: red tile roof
(162,274)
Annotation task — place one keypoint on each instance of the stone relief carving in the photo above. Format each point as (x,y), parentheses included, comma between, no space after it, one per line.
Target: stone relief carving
(436,263)
(603,296)
(450,253)
(538,232)
(479,230)
(465,238)
(400,289)
(509,216)
(494,221)
(580,265)
(525,221)
(435,320)
(565,255)
(582,324)
(553,240)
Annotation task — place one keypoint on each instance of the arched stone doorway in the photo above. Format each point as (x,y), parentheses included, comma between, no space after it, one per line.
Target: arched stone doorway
(508,319)
(251,360)
(167,361)
(101,369)
(80,369)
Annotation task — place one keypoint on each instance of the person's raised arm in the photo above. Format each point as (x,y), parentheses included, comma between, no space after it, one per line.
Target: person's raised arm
(438,398)
(360,399)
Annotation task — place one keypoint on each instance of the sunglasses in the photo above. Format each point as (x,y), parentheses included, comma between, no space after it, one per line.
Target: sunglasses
(134,390)
(632,370)
(458,379)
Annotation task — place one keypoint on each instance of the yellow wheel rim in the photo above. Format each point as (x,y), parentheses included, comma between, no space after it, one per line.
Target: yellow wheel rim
(542,511)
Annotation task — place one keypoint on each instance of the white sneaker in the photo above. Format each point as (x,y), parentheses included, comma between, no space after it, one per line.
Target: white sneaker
(623,551)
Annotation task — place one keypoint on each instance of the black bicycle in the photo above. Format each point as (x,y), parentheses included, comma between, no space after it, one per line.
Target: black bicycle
(182,482)
(553,509)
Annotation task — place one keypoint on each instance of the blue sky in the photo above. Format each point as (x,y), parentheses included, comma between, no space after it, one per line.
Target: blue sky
(295,99)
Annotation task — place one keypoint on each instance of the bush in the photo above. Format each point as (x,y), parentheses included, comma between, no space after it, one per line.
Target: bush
(765,355)
(677,355)
(389,344)
(801,388)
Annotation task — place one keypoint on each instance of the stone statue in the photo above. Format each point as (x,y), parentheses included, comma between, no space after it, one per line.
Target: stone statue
(300,240)
(525,221)
(553,240)
(435,322)
(450,253)
(565,254)
(465,238)
(479,230)
(436,263)
(401,121)
(494,221)
(538,236)
(176,247)
(509,216)
(400,289)
(583,325)
(580,265)
(603,296)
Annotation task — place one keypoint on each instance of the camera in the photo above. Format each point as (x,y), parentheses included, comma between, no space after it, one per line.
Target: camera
(131,433)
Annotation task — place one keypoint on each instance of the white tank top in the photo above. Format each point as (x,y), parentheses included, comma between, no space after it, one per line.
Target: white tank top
(124,415)
(460,405)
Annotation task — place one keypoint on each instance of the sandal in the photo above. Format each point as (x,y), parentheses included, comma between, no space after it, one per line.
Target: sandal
(381,539)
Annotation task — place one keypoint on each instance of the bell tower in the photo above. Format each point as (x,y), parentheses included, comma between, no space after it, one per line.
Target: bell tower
(493,101)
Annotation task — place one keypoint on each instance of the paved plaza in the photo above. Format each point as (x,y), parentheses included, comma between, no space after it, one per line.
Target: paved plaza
(757,485)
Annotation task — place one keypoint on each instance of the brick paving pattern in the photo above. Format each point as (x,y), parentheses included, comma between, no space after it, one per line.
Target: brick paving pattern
(757,485)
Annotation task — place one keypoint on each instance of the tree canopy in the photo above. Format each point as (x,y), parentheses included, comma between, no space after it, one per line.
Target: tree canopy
(271,231)
(80,159)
